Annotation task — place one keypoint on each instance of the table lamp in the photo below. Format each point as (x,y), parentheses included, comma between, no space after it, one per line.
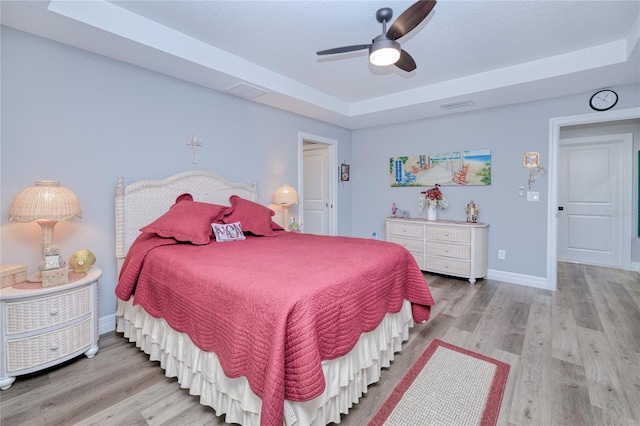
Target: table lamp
(285,196)
(47,203)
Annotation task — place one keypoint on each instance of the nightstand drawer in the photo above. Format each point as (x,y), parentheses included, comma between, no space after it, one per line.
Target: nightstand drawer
(43,312)
(411,244)
(457,235)
(37,350)
(449,250)
(406,229)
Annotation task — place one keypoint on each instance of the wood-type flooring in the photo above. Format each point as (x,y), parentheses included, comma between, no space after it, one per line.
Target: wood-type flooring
(574,356)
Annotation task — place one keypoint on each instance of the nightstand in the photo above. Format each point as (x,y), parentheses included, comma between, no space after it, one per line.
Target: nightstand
(42,327)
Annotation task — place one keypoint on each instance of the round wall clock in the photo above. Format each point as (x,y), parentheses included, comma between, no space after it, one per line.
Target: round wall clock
(603,100)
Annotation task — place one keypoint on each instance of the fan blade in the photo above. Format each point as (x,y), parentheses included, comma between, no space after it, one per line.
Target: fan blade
(406,62)
(344,49)
(410,18)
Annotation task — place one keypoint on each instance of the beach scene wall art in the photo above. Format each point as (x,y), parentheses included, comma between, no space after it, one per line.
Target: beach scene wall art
(453,168)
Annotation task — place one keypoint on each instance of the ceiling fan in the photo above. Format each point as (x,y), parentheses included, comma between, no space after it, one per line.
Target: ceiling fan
(384,49)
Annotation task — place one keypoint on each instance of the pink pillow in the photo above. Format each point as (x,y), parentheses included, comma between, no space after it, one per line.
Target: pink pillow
(255,218)
(276,227)
(187,221)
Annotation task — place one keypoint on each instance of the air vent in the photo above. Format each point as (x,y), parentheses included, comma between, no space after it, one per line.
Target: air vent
(457,104)
(245,91)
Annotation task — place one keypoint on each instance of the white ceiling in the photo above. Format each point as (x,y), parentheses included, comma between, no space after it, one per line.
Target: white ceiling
(490,52)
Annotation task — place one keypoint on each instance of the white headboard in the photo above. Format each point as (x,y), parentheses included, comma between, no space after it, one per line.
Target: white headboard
(140,203)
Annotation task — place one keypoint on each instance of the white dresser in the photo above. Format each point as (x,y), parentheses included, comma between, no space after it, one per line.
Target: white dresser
(46,326)
(443,246)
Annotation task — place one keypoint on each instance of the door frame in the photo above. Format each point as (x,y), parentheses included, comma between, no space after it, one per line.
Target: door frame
(552,202)
(332,146)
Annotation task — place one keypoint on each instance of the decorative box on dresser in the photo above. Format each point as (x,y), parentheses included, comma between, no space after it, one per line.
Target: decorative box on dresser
(443,246)
(42,327)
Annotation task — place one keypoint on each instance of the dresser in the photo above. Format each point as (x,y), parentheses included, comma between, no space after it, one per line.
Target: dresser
(443,246)
(42,327)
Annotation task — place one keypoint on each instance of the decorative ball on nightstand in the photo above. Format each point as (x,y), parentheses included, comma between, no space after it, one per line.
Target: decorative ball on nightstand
(82,260)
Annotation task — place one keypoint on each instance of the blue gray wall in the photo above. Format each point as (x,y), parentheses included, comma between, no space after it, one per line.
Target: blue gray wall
(84,120)
(517,226)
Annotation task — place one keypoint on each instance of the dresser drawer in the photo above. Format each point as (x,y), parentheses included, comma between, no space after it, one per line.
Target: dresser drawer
(457,235)
(411,244)
(37,350)
(42,312)
(406,229)
(448,266)
(419,260)
(458,251)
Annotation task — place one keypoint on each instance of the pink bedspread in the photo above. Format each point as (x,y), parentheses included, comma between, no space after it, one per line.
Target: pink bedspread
(272,308)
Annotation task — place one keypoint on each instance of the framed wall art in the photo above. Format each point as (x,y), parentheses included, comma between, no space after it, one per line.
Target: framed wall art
(344,172)
(455,168)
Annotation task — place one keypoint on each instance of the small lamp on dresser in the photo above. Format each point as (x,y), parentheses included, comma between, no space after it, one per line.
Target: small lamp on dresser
(285,196)
(47,203)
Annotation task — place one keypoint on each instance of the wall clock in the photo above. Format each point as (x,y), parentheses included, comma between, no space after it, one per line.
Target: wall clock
(603,100)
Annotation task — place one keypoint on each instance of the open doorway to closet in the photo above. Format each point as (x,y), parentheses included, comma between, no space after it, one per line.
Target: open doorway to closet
(317,183)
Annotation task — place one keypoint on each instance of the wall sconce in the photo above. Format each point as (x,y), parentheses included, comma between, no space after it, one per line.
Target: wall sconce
(285,196)
(532,162)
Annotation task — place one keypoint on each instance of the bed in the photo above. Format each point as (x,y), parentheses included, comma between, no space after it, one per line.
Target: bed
(274,328)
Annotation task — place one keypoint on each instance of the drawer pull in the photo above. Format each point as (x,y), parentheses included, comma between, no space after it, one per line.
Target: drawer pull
(54,346)
(53,312)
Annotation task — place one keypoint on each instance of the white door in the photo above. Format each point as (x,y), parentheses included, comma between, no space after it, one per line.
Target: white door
(590,198)
(316,189)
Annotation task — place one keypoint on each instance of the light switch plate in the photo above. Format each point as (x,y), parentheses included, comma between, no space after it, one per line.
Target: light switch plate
(533,196)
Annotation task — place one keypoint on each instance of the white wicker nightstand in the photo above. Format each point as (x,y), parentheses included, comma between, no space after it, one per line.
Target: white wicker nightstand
(46,326)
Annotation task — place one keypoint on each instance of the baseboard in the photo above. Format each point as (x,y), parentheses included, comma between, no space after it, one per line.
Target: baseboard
(635,266)
(521,279)
(107,324)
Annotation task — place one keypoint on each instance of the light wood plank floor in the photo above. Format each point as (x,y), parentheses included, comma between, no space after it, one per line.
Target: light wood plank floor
(574,356)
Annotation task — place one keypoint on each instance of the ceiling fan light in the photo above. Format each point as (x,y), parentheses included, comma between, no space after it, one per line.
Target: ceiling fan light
(384,53)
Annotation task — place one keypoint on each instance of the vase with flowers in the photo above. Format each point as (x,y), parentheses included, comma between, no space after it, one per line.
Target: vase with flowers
(430,199)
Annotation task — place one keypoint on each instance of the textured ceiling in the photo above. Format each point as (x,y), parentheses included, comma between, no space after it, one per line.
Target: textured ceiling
(491,52)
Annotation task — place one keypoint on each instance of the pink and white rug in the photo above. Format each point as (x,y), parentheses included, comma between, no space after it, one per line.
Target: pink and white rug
(447,385)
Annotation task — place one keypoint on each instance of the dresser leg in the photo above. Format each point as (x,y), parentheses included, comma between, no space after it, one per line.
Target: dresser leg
(472,280)
(91,352)
(6,382)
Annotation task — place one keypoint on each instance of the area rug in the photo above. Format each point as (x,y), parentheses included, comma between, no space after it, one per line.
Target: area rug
(447,385)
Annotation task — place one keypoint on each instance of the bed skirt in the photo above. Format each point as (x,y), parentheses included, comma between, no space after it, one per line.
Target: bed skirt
(346,377)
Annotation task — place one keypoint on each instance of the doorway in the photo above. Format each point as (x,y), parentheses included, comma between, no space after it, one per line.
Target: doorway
(591,190)
(317,183)
(555,124)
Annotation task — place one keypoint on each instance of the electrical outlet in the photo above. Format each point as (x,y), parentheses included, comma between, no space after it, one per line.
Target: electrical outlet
(501,254)
(533,196)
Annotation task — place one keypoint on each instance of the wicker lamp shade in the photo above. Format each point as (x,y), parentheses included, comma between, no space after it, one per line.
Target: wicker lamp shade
(285,194)
(46,200)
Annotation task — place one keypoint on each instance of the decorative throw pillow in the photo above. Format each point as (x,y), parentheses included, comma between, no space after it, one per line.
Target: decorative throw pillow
(255,218)
(187,221)
(228,231)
